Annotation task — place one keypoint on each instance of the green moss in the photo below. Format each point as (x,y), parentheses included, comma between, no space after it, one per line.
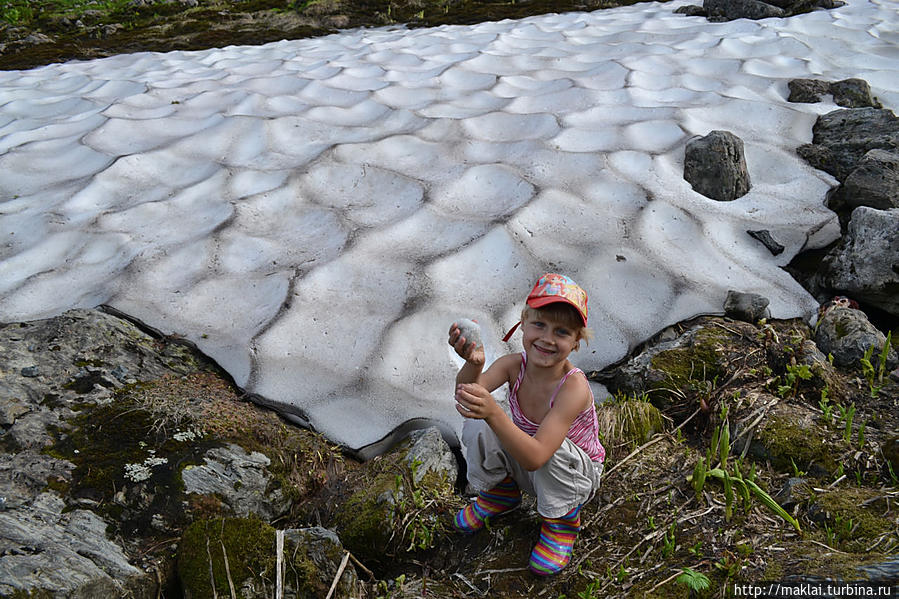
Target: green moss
(689,369)
(786,442)
(391,514)
(367,518)
(248,545)
(629,420)
(104,442)
(857,517)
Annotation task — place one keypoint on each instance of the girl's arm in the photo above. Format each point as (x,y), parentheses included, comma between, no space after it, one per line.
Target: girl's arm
(531,452)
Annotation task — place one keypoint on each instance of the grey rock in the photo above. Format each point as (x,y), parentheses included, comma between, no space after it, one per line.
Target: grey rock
(874,183)
(49,545)
(749,307)
(26,474)
(470,330)
(791,493)
(240,479)
(842,137)
(32,430)
(740,9)
(716,167)
(853,93)
(691,11)
(849,93)
(865,264)
(886,571)
(768,241)
(66,554)
(10,409)
(431,453)
(31,371)
(846,334)
(807,91)
(321,547)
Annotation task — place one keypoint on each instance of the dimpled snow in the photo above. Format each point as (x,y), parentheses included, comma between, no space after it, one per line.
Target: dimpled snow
(314,214)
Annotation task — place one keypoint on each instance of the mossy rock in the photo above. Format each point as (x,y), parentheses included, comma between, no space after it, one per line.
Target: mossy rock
(395,509)
(212,551)
(217,553)
(857,518)
(791,436)
(672,370)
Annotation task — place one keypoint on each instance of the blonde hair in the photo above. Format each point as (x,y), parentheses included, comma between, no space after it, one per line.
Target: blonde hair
(565,314)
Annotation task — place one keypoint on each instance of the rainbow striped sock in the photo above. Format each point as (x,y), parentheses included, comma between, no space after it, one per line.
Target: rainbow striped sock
(553,550)
(500,499)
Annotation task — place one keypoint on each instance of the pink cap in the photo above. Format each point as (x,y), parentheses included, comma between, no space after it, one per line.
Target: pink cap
(552,288)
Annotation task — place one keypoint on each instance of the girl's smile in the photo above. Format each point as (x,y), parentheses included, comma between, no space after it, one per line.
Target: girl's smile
(548,342)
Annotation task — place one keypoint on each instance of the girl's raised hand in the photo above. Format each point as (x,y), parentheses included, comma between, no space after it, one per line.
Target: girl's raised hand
(468,351)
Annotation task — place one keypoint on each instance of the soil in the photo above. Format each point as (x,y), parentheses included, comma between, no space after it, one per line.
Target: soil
(97,30)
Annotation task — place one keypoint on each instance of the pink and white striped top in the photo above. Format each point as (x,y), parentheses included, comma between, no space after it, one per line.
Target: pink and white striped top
(584,431)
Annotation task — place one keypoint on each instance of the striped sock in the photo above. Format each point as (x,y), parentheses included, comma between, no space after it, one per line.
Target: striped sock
(553,550)
(500,499)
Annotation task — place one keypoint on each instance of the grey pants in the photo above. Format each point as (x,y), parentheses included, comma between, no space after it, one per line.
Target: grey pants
(566,481)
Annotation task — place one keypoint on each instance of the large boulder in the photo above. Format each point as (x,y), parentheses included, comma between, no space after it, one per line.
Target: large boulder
(865,264)
(841,138)
(849,93)
(386,517)
(715,166)
(846,334)
(874,183)
(64,554)
(729,10)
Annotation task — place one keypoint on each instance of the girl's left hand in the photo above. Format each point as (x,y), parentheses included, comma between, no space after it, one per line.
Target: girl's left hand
(474,401)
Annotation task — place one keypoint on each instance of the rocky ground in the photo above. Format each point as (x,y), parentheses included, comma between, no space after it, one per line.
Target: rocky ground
(131,466)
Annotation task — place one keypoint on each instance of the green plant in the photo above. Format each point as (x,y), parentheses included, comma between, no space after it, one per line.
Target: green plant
(669,542)
(758,492)
(693,580)
(794,374)
(728,565)
(840,530)
(728,496)
(699,473)
(873,374)
(847,414)
(826,407)
(591,591)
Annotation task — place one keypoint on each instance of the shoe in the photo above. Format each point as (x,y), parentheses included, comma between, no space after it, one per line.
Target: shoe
(502,498)
(553,550)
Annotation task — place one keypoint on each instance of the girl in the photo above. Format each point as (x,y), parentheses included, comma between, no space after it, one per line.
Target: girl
(549,447)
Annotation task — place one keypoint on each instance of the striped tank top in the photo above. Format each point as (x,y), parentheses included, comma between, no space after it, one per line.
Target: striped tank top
(584,431)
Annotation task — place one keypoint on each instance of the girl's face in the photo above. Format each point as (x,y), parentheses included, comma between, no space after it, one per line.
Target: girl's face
(547,342)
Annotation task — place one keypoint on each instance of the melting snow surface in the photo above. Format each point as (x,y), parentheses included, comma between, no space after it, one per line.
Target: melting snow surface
(314,213)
